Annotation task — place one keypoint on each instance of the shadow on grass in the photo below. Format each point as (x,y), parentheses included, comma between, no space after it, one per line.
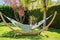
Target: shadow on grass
(11,34)
(54,30)
(3,25)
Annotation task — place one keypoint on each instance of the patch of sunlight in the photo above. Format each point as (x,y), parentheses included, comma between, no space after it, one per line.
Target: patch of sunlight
(5,34)
(50,35)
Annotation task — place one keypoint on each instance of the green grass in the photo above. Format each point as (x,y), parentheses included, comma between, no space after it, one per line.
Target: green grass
(8,34)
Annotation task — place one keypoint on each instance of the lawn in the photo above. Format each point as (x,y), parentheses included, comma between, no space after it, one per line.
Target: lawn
(8,34)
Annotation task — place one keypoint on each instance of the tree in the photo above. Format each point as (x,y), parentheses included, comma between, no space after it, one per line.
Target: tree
(45,4)
(17,7)
(44,15)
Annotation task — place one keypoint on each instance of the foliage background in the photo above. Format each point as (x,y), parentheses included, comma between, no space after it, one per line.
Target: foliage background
(36,13)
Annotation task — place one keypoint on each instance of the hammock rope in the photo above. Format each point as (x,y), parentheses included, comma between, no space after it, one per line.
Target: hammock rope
(29,33)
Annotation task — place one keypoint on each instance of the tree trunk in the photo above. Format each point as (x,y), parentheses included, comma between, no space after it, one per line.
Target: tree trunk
(44,15)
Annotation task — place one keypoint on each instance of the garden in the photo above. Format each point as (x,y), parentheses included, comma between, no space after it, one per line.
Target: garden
(30,20)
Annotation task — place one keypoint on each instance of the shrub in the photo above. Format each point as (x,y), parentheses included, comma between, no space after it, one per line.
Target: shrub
(51,10)
(8,11)
(35,15)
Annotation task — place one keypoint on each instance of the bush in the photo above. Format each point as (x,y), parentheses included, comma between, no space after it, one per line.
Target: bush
(35,15)
(8,11)
(56,22)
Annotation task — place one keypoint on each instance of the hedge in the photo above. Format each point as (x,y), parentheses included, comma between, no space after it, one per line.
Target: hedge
(51,10)
(36,13)
(8,11)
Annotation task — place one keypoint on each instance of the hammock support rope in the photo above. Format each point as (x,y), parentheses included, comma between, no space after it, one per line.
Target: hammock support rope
(29,33)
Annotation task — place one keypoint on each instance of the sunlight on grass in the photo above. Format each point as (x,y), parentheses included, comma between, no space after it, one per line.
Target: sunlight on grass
(8,34)
(51,35)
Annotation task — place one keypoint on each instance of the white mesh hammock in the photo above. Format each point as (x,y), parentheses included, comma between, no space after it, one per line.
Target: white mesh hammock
(26,27)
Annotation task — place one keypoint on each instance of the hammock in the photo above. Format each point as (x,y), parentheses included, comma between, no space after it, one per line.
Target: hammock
(26,27)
